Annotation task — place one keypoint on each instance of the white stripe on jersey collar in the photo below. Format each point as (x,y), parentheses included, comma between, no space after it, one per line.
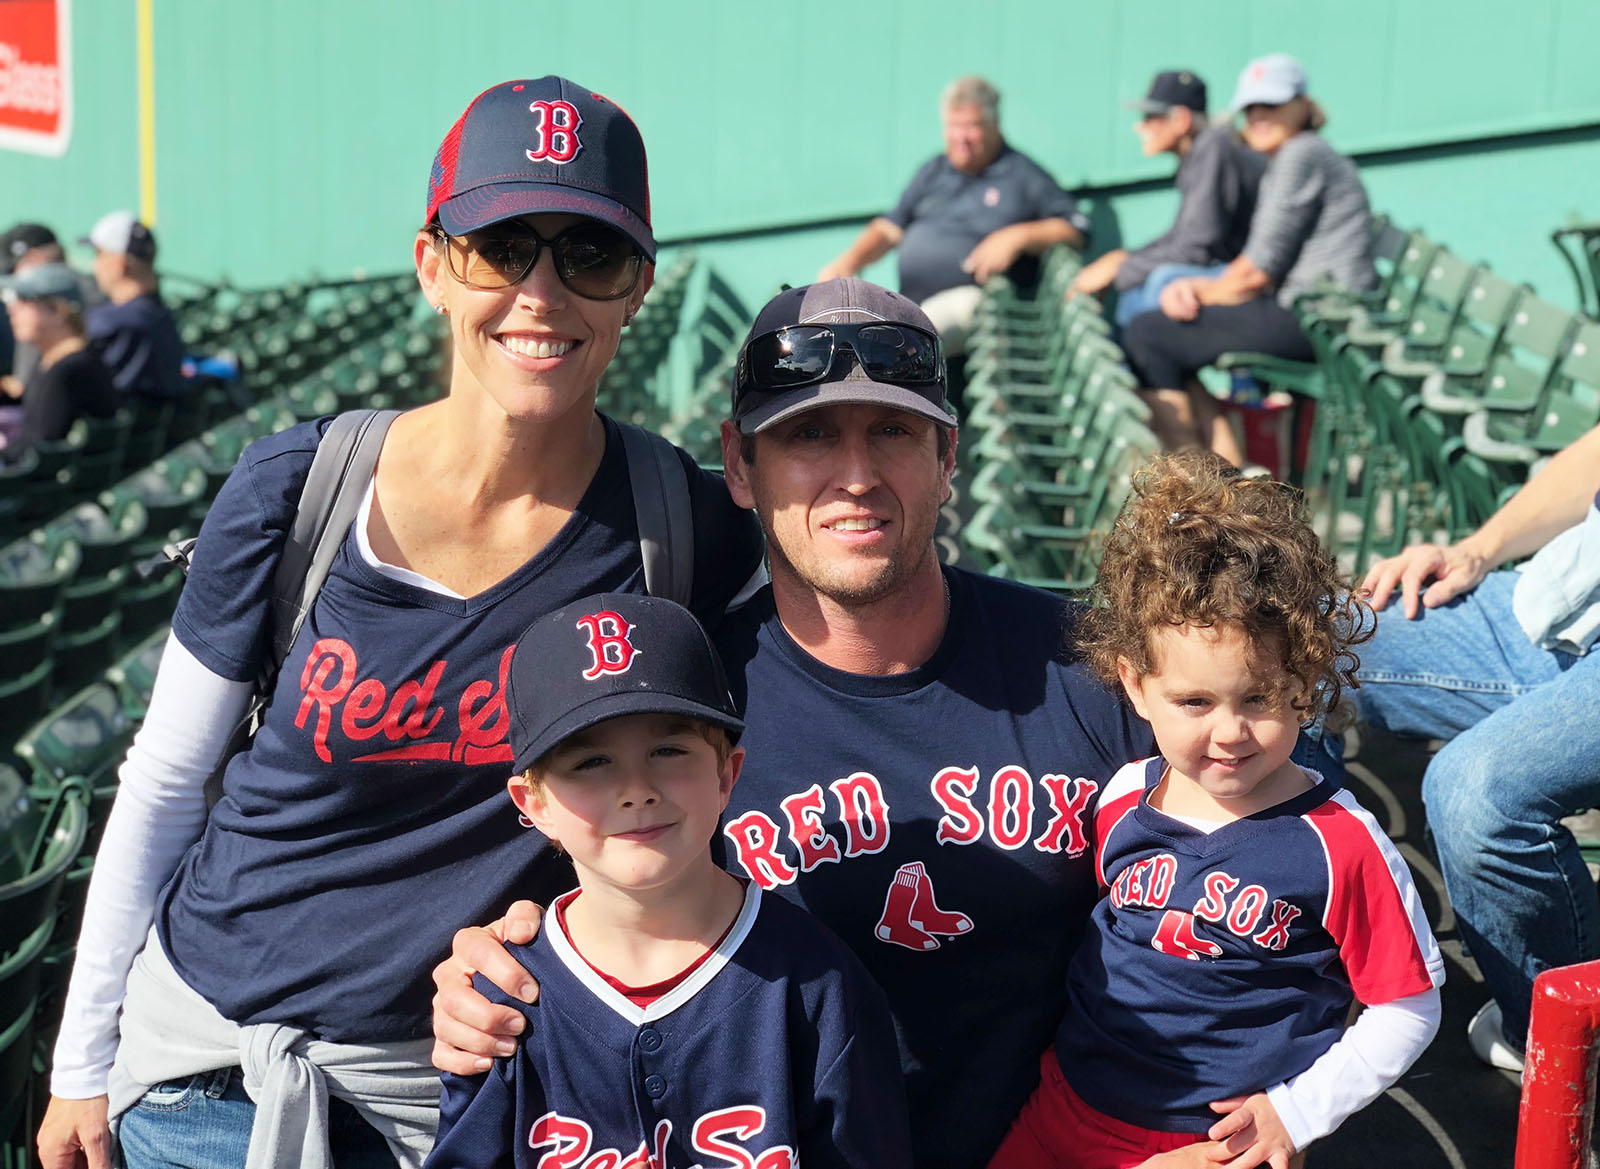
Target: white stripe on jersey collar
(678,995)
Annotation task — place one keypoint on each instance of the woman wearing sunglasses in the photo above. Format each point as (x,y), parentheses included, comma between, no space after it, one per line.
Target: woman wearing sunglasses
(272,958)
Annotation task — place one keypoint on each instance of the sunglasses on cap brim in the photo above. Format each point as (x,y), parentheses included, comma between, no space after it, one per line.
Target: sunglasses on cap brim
(591,259)
(800,355)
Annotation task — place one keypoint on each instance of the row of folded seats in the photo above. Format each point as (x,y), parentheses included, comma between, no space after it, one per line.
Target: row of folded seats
(674,368)
(53,807)
(260,344)
(1436,395)
(83,586)
(1053,429)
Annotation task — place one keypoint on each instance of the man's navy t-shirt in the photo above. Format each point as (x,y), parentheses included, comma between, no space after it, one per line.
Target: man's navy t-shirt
(138,341)
(934,821)
(945,214)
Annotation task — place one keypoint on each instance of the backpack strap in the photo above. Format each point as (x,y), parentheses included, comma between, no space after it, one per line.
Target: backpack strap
(335,485)
(665,516)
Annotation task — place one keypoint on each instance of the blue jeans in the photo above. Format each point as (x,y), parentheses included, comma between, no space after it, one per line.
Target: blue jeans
(1146,297)
(1523,726)
(204,1123)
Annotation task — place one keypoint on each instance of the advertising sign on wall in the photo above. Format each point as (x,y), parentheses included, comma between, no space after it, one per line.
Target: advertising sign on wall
(35,75)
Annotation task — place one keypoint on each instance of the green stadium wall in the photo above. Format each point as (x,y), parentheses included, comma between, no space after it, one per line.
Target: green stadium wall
(293,139)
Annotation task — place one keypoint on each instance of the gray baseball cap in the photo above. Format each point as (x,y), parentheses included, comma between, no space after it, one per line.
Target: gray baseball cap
(846,300)
(1269,81)
(43,282)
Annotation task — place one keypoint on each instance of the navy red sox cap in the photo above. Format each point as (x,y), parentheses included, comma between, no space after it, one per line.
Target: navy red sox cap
(543,145)
(1173,87)
(606,656)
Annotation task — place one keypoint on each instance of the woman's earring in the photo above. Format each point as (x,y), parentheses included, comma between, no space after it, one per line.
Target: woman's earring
(440,309)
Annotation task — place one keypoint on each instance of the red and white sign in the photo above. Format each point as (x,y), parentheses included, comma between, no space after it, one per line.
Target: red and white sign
(35,75)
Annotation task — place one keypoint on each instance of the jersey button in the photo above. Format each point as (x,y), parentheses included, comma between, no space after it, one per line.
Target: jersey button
(655,1087)
(650,1039)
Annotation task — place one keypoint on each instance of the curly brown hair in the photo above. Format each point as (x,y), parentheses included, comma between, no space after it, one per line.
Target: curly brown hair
(1197,544)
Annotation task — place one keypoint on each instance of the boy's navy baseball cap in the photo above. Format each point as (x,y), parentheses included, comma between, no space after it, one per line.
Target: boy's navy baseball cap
(607,656)
(525,147)
(844,300)
(1170,88)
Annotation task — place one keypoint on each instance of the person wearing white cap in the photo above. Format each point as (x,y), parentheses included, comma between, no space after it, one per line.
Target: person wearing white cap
(134,331)
(1312,223)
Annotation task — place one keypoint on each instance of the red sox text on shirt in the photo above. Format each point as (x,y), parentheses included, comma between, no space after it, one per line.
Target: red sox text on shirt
(1004,815)
(366,709)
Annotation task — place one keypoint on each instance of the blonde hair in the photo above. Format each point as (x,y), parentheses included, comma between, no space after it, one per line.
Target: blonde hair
(973,90)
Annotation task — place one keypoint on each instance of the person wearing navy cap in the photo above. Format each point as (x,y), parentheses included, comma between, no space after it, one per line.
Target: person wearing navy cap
(683,1013)
(278,1011)
(1217,178)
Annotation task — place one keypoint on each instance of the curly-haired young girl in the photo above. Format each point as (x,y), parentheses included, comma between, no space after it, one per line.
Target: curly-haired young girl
(1249,900)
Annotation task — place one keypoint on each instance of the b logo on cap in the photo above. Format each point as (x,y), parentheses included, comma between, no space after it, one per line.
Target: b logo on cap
(608,642)
(558,132)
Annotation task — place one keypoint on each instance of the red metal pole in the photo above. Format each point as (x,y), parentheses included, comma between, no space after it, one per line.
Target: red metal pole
(1558,1078)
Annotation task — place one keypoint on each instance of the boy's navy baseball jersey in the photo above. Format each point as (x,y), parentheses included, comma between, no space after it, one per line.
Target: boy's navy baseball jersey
(369,819)
(1224,963)
(934,820)
(775,1052)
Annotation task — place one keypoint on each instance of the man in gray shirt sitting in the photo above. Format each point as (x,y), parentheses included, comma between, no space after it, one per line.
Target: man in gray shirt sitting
(1217,180)
(970,213)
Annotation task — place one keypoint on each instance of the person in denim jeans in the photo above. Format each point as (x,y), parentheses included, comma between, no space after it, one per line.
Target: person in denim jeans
(1498,664)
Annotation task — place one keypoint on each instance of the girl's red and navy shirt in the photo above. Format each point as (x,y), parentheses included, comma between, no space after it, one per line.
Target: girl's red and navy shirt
(369,818)
(1220,964)
(775,1051)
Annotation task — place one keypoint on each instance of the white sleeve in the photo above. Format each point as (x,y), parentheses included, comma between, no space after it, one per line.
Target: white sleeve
(1360,1067)
(159,812)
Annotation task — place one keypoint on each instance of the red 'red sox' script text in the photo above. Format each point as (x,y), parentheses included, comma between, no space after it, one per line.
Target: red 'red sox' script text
(366,709)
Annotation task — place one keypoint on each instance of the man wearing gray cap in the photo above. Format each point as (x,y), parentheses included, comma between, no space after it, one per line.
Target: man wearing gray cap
(925,744)
(45,309)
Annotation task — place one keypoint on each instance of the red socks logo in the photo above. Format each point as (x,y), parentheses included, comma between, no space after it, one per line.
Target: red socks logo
(911,917)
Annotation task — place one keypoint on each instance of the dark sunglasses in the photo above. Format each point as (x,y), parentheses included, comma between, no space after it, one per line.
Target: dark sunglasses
(592,260)
(801,354)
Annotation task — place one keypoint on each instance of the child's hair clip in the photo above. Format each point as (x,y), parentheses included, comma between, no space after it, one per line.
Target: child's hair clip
(1173,517)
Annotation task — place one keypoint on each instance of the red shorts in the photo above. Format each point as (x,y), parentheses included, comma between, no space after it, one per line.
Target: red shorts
(1057,1130)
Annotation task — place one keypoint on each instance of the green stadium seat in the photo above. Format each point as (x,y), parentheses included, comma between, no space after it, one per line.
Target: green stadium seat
(169,491)
(100,460)
(80,743)
(38,844)
(134,674)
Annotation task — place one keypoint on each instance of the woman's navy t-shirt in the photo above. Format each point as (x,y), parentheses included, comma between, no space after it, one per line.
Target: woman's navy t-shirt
(369,820)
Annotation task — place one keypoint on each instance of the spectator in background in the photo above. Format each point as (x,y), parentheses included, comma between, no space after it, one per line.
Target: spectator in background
(1217,180)
(45,309)
(1503,665)
(135,334)
(27,245)
(970,213)
(1312,223)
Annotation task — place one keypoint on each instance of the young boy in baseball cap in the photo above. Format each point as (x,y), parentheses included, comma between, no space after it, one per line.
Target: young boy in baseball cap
(682,1015)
